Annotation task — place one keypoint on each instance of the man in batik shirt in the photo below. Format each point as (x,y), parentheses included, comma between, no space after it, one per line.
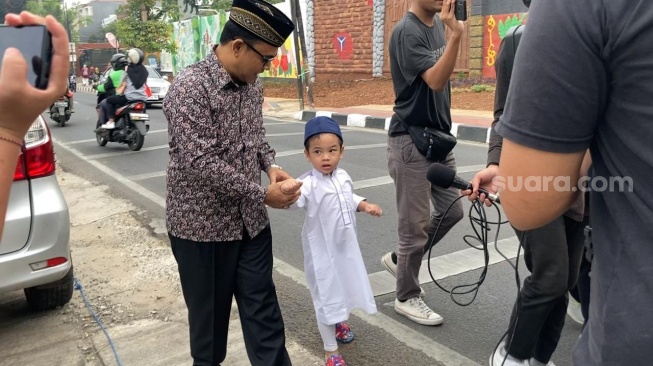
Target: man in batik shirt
(216,212)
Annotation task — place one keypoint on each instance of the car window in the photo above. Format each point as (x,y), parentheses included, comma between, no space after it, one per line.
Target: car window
(151,73)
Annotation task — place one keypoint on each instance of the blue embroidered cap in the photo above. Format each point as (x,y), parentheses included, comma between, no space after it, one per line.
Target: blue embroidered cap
(319,125)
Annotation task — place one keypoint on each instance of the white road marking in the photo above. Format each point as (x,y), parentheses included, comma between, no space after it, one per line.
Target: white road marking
(448,265)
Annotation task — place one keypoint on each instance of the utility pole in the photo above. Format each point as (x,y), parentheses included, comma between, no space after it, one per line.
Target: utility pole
(300,89)
(302,41)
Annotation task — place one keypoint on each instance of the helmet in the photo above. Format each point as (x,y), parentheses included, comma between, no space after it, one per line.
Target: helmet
(135,56)
(121,63)
(115,58)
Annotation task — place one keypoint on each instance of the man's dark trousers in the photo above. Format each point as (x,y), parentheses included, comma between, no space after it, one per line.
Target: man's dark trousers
(211,273)
(552,254)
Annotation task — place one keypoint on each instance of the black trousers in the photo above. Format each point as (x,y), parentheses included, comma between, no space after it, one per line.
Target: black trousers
(552,254)
(211,274)
(581,292)
(113,102)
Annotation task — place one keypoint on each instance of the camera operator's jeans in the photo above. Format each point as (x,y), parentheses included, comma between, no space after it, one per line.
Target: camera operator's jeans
(408,167)
(552,254)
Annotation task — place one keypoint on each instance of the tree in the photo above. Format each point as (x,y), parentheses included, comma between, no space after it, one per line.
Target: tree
(69,17)
(11,6)
(141,24)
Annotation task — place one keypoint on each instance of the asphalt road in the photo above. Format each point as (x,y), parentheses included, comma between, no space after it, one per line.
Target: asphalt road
(471,331)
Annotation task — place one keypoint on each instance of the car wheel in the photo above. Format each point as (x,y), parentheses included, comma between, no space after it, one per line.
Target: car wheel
(51,295)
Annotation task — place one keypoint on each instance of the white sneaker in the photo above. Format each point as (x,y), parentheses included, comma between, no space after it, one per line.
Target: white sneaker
(500,357)
(391,267)
(416,310)
(109,126)
(574,311)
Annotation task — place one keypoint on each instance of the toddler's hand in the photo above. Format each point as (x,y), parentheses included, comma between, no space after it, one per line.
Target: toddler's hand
(290,186)
(373,210)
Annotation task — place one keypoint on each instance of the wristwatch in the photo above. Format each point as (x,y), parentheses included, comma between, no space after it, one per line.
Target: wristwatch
(274,166)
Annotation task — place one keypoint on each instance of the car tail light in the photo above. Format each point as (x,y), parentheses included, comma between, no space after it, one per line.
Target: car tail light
(52,262)
(37,158)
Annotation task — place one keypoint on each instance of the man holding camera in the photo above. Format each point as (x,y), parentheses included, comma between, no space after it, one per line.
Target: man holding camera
(421,64)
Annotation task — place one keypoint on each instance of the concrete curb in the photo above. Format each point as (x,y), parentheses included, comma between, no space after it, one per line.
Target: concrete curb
(85,89)
(461,131)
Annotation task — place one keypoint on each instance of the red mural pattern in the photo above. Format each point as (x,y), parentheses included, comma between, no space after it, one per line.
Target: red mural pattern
(343,44)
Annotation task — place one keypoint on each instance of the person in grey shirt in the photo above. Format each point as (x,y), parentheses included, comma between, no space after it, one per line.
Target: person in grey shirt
(552,253)
(421,65)
(583,78)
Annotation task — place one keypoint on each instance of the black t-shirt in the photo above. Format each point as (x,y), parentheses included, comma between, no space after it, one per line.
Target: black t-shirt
(583,77)
(415,48)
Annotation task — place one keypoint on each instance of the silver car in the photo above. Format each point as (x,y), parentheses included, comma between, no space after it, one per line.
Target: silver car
(35,245)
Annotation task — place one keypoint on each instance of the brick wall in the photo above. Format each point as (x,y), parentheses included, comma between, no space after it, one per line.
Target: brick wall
(343,39)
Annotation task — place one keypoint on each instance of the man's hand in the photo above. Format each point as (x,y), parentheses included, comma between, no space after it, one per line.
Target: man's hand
(20,102)
(277,175)
(276,196)
(483,179)
(448,17)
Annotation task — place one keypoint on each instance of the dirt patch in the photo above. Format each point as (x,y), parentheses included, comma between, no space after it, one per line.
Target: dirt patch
(127,273)
(340,94)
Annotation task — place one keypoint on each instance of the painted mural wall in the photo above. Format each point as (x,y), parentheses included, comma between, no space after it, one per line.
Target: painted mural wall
(195,37)
(495,28)
(344,44)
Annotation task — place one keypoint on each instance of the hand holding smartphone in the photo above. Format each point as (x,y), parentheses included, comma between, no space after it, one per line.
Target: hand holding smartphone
(35,43)
(460,10)
(33,70)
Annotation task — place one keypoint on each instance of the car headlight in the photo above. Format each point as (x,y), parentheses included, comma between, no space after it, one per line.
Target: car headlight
(163,90)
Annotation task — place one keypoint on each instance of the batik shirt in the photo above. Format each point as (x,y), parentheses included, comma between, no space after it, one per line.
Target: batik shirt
(217,152)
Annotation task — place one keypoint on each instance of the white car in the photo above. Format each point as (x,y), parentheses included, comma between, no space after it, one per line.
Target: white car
(158,84)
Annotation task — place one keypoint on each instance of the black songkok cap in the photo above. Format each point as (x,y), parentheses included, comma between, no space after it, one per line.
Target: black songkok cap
(263,20)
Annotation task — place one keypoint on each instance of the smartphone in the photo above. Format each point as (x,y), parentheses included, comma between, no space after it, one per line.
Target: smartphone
(461,10)
(35,43)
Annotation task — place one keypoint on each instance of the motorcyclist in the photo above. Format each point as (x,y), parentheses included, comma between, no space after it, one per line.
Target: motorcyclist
(69,94)
(118,63)
(72,81)
(134,83)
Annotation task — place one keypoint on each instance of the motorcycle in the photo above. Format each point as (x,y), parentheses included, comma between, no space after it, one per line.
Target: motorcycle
(131,127)
(73,84)
(60,110)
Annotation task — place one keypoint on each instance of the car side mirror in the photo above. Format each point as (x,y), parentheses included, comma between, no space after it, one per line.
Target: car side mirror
(165,77)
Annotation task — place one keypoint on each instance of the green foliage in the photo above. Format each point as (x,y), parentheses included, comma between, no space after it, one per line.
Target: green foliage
(509,23)
(11,6)
(478,88)
(151,34)
(54,8)
(69,17)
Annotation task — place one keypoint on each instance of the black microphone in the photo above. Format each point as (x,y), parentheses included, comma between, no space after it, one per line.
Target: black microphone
(445,177)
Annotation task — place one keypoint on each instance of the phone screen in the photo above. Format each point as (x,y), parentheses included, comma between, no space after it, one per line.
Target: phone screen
(35,44)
